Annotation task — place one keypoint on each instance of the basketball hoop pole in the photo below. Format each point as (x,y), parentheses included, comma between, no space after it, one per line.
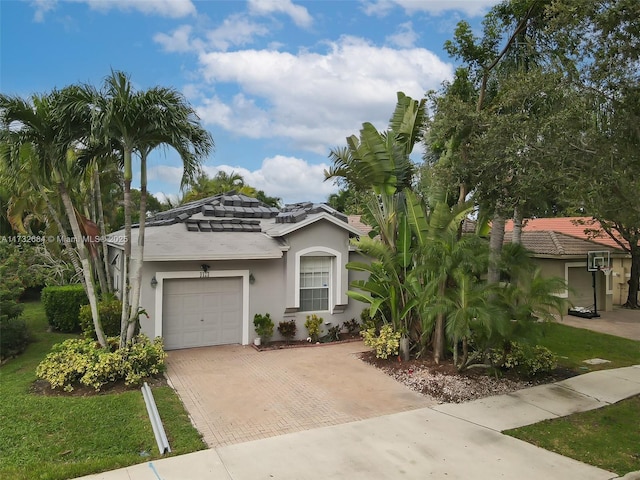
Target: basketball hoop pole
(595,293)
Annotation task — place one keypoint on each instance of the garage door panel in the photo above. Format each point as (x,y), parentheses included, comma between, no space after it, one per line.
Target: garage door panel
(202,312)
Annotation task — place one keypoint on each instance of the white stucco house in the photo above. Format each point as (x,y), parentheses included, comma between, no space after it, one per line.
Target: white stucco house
(211,265)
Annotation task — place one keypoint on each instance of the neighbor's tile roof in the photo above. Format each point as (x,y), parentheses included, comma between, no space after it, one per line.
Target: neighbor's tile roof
(574,226)
(554,244)
(356,221)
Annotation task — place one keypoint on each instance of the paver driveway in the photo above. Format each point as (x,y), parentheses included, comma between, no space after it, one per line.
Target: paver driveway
(236,394)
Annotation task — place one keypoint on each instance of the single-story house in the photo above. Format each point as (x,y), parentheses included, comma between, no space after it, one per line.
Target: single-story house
(211,265)
(560,247)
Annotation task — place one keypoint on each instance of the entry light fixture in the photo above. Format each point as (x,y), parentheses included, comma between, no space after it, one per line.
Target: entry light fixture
(204,267)
(154,282)
(252,279)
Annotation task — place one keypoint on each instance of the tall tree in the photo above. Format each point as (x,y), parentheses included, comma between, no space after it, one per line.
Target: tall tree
(41,123)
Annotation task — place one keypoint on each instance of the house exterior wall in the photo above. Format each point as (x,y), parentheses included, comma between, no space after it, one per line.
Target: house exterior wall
(579,280)
(269,286)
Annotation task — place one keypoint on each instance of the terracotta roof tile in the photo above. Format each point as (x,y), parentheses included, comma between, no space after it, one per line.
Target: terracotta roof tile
(556,243)
(574,226)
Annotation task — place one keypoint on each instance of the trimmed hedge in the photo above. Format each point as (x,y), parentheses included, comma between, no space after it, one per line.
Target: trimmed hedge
(62,306)
(110,316)
(14,336)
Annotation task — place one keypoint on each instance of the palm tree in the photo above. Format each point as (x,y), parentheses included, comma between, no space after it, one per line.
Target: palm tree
(42,124)
(138,122)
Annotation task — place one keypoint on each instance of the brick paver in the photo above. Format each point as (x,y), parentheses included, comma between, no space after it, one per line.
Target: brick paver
(235,394)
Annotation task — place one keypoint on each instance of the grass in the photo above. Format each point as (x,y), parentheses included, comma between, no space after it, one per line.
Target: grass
(574,345)
(608,438)
(60,437)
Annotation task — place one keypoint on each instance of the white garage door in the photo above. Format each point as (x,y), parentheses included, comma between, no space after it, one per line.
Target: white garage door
(201,311)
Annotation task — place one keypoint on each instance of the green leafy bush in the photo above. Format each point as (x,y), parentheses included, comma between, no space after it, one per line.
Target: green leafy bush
(386,344)
(83,362)
(14,336)
(334,333)
(525,359)
(352,326)
(313,324)
(110,310)
(288,329)
(62,306)
(263,326)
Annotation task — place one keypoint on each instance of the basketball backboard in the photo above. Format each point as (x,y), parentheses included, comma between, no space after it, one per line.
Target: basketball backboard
(597,260)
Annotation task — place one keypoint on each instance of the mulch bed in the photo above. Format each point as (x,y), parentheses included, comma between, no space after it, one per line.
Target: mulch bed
(444,383)
(42,387)
(283,344)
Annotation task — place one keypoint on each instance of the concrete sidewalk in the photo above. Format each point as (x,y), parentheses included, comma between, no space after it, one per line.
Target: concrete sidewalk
(453,441)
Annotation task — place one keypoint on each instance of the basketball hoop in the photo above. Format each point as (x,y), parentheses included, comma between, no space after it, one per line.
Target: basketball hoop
(606,270)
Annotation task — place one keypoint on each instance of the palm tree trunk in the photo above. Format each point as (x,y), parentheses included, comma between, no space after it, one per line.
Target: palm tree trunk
(84,259)
(101,229)
(136,272)
(126,312)
(438,333)
(65,242)
(495,248)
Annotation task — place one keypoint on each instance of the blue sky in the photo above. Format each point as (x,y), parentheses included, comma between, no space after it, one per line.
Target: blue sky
(278,83)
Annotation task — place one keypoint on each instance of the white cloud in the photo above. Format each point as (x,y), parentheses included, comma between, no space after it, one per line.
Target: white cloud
(405,37)
(164,8)
(316,99)
(177,41)
(235,30)
(435,7)
(292,179)
(298,14)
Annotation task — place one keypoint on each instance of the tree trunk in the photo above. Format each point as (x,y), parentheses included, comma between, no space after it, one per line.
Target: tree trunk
(495,248)
(63,237)
(517,226)
(136,270)
(126,312)
(84,260)
(634,280)
(101,229)
(438,333)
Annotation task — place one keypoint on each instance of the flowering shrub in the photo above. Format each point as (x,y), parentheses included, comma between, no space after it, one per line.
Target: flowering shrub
(386,344)
(528,360)
(83,362)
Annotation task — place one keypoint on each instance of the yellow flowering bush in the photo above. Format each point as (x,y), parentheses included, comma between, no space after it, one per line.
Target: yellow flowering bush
(386,344)
(83,362)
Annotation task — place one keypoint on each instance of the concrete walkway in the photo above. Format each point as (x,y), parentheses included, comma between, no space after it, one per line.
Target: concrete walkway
(453,441)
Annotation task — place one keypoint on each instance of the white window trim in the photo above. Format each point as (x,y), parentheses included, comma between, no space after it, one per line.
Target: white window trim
(244,274)
(335,278)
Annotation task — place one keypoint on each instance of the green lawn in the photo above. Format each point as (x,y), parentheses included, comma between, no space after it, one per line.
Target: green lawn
(608,438)
(574,345)
(54,437)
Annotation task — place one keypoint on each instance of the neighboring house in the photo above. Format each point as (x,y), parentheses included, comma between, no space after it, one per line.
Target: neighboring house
(560,247)
(211,265)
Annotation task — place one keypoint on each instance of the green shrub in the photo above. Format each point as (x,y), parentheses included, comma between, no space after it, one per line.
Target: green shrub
(110,311)
(62,306)
(525,359)
(352,326)
(263,326)
(334,333)
(288,329)
(83,362)
(14,336)
(313,324)
(386,344)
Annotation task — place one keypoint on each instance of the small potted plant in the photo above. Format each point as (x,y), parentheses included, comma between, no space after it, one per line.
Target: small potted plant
(263,326)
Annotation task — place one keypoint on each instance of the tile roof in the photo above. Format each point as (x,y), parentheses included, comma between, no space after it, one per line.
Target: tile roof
(574,226)
(552,243)
(356,221)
